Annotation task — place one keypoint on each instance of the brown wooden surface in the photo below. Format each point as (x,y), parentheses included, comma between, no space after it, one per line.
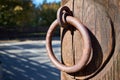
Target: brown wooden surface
(67,49)
(102,18)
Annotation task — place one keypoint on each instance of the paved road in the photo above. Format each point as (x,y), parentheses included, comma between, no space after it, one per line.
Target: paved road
(28,60)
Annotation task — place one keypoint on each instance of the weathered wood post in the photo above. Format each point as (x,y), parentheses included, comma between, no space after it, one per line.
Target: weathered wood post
(102,21)
(102,18)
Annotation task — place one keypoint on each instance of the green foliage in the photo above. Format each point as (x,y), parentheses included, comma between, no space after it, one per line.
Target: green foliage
(16,12)
(47,13)
(24,13)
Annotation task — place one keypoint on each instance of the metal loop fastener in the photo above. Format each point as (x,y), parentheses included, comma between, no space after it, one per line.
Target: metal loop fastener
(62,13)
(86,48)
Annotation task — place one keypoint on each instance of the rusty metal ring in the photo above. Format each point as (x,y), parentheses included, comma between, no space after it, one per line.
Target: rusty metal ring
(86,49)
(63,11)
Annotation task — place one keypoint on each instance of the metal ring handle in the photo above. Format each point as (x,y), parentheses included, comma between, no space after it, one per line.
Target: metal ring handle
(86,49)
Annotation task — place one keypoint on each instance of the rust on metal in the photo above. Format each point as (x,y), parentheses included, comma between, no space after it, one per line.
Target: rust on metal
(86,41)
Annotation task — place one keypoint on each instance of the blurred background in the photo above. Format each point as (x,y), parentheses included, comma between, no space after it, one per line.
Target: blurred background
(23,27)
(26,18)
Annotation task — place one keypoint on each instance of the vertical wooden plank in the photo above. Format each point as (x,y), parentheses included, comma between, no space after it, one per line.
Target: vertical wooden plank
(93,14)
(63,2)
(102,18)
(112,67)
(67,45)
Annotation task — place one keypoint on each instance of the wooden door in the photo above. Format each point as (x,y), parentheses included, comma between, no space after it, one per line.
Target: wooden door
(102,18)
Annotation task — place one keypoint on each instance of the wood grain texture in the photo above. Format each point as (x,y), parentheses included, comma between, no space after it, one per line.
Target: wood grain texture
(64,2)
(102,18)
(93,15)
(67,48)
(111,70)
